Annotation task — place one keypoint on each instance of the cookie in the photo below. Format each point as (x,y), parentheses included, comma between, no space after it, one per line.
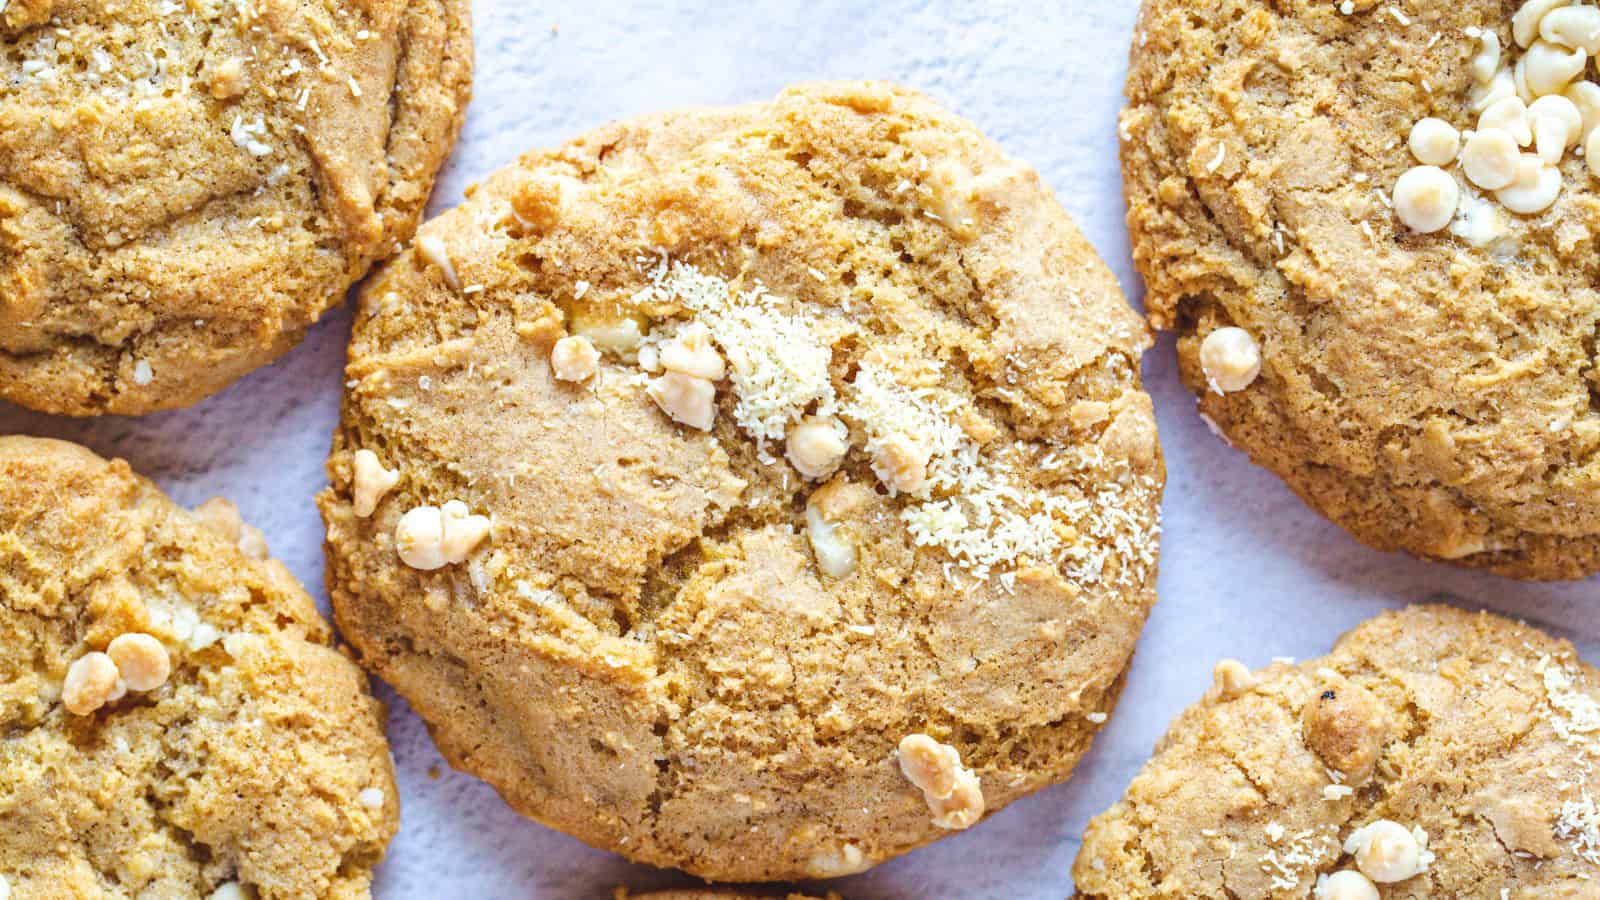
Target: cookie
(762,491)
(1433,753)
(176,720)
(186,185)
(1412,351)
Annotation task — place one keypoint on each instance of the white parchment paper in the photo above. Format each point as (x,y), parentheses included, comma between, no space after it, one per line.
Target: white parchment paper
(1246,570)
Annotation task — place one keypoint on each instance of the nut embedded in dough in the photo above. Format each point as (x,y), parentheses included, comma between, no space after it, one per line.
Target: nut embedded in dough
(1231,678)
(816,446)
(91,683)
(685,399)
(1345,885)
(692,353)
(429,538)
(901,463)
(574,358)
(952,791)
(1387,852)
(372,482)
(142,661)
(1230,359)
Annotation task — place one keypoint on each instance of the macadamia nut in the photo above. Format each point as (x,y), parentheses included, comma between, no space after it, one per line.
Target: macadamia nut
(953,792)
(1230,359)
(685,399)
(1388,852)
(372,482)
(574,358)
(692,353)
(816,446)
(142,661)
(429,538)
(91,683)
(901,463)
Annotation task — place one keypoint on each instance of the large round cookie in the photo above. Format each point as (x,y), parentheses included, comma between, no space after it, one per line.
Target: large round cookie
(252,757)
(566,520)
(1475,735)
(185,185)
(1434,392)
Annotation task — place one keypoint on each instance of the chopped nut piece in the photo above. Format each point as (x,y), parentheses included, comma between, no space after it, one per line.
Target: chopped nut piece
(142,661)
(227,79)
(372,482)
(574,358)
(91,683)
(901,463)
(432,249)
(836,556)
(816,446)
(686,399)
(1232,678)
(1230,359)
(1345,885)
(429,538)
(691,352)
(1490,159)
(1425,199)
(1387,852)
(952,791)
(621,336)
(1434,142)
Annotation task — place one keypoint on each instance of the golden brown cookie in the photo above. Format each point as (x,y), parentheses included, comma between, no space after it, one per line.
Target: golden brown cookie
(1429,386)
(174,720)
(761,491)
(185,185)
(1433,753)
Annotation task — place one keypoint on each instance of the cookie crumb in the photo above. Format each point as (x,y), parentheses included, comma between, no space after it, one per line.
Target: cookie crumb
(574,358)
(227,79)
(371,482)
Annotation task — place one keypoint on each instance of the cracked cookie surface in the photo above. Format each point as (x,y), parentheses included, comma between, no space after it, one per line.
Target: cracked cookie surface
(1437,393)
(186,185)
(1475,734)
(255,759)
(719,451)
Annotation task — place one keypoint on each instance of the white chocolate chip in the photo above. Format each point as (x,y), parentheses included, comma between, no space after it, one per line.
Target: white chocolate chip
(1548,68)
(1346,885)
(1434,142)
(1585,97)
(1535,189)
(372,482)
(1550,138)
(429,538)
(230,890)
(1573,26)
(434,251)
(1387,852)
(952,791)
(5,888)
(685,399)
(901,463)
(1525,22)
(836,556)
(1230,359)
(574,358)
(1231,678)
(1486,62)
(142,373)
(1480,223)
(143,663)
(692,353)
(1569,118)
(1490,158)
(816,446)
(1509,115)
(1501,86)
(371,798)
(91,683)
(1591,152)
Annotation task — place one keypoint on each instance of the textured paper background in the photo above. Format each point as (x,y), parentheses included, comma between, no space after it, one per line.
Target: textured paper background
(1246,570)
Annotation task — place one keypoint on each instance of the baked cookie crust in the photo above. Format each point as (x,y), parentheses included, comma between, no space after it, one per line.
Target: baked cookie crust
(761,491)
(230,746)
(186,185)
(1436,393)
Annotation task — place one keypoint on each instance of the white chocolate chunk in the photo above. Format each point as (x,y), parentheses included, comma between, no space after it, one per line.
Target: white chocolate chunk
(816,446)
(1230,357)
(1501,86)
(1388,852)
(1548,68)
(1585,97)
(230,890)
(952,791)
(685,399)
(1525,22)
(1434,142)
(1490,158)
(1345,885)
(574,358)
(1486,62)
(1509,115)
(836,556)
(691,352)
(1535,189)
(429,538)
(1573,26)
(432,249)
(372,482)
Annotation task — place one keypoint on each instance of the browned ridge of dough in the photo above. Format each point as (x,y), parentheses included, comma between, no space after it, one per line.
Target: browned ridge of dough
(1478,730)
(644,653)
(261,761)
(149,255)
(1425,394)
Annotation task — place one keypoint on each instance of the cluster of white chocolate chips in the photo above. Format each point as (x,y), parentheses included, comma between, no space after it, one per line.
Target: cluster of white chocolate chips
(1530,113)
(132,662)
(1385,852)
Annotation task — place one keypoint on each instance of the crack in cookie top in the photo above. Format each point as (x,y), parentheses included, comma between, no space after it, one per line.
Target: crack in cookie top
(185,185)
(1372,225)
(734,447)
(1434,753)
